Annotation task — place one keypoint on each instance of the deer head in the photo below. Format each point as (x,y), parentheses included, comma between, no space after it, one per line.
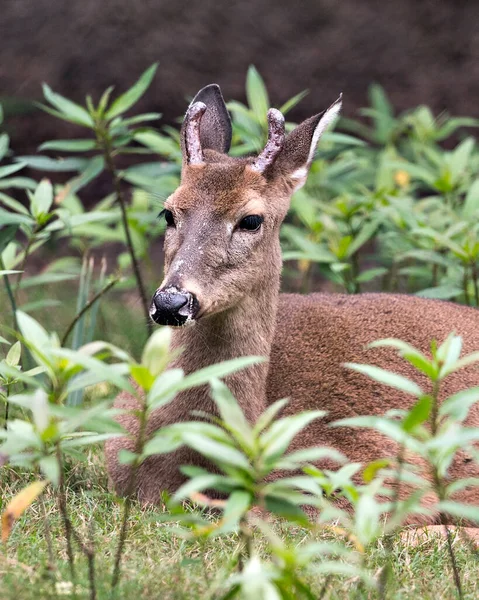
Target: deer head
(222,236)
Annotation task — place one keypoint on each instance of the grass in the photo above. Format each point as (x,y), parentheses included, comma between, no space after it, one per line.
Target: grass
(159,563)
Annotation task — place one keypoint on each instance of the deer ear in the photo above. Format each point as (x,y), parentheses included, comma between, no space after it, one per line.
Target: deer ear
(300,145)
(215,124)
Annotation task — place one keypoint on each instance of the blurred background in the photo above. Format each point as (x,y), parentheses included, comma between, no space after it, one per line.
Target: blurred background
(424,52)
(392,199)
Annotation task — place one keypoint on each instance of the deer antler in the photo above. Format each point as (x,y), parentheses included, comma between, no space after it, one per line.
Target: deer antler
(193,150)
(275,142)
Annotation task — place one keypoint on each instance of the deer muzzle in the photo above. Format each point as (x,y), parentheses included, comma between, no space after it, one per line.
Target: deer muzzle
(172,306)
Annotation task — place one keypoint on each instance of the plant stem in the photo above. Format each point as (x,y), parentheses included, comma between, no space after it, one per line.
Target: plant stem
(139,445)
(24,261)
(474,280)
(465,286)
(64,513)
(110,165)
(7,406)
(86,308)
(439,489)
(11,297)
(71,533)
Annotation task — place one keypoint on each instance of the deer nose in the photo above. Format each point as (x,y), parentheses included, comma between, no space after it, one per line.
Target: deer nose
(173,307)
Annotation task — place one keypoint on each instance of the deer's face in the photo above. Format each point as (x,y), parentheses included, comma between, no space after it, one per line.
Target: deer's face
(222,237)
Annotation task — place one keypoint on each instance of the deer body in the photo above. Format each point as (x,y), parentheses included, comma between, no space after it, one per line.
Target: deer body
(222,279)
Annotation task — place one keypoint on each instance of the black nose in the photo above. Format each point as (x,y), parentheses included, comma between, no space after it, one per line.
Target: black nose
(173,307)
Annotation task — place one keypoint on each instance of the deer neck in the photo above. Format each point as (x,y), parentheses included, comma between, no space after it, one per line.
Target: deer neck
(247,329)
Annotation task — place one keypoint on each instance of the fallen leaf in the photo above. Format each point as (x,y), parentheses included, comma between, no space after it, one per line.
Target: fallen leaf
(18,505)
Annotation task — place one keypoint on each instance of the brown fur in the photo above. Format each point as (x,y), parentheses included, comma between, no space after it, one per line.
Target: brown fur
(235,276)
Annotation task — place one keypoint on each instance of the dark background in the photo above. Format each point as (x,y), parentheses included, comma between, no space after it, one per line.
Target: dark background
(421,51)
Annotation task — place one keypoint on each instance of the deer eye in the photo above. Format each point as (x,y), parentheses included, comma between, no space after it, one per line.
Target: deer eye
(251,222)
(169,218)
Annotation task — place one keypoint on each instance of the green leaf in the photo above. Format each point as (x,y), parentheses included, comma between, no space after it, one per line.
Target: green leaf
(220,454)
(70,110)
(165,388)
(197,484)
(130,97)
(257,94)
(459,510)
(14,355)
(156,352)
(418,414)
(219,370)
(269,415)
(46,279)
(69,145)
(391,379)
(297,459)
(409,353)
(4,142)
(50,468)
(292,102)
(9,169)
(370,274)
(471,202)
(142,376)
(458,405)
(287,510)
(45,163)
(230,411)
(10,218)
(42,199)
(278,437)
(32,331)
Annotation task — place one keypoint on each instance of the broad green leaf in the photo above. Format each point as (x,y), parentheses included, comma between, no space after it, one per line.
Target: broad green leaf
(278,437)
(130,97)
(297,459)
(441,292)
(46,279)
(230,411)
(42,199)
(156,353)
(70,110)
(458,405)
(418,414)
(471,202)
(69,145)
(257,94)
(164,388)
(220,454)
(227,367)
(9,169)
(269,415)
(142,376)
(50,468)
(371,274)
(391,379)
(459,510)
(45,163)
(14,354)
(4,143)
(32,331)
(10,218)
(197,484)
(287,510)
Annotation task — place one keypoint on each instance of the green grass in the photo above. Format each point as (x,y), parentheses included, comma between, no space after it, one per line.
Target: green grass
(159,563)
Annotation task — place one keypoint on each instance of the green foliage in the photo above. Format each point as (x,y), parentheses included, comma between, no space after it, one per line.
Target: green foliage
(388,206)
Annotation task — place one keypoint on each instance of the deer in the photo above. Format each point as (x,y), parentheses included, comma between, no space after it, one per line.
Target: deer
(221,296)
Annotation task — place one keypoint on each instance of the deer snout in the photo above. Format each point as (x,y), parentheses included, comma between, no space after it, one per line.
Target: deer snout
(174,307)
